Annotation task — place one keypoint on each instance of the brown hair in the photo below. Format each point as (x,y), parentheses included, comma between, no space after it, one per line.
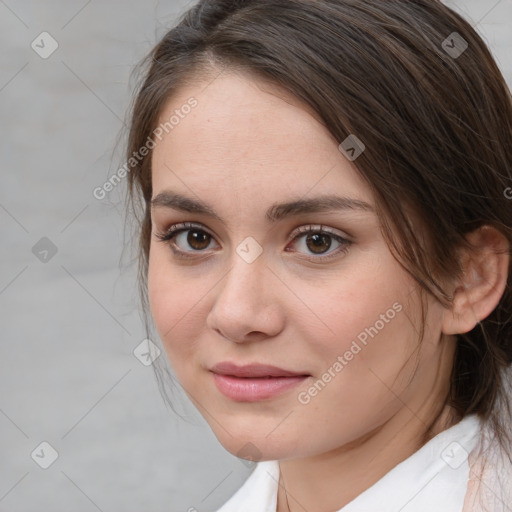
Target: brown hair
(437,127)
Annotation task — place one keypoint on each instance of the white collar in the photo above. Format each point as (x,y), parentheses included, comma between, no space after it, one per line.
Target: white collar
(433,478)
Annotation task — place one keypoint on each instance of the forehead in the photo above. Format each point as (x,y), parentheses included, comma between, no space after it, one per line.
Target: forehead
(248,136)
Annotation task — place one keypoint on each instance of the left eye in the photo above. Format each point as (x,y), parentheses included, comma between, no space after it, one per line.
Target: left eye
(318,241)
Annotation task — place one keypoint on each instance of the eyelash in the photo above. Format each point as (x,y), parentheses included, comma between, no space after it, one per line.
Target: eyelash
(171,233)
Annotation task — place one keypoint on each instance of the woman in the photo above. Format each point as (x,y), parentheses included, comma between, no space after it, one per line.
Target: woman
(325,237)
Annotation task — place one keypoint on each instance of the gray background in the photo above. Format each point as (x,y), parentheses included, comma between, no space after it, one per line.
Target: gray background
(70,324)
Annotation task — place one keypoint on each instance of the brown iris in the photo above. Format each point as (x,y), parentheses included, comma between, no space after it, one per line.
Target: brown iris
(198,240)
(320,243)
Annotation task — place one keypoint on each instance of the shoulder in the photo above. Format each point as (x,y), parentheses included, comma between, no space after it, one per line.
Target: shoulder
(490,478)
(259,491)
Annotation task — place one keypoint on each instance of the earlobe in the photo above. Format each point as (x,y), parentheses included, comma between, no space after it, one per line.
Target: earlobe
(479,290)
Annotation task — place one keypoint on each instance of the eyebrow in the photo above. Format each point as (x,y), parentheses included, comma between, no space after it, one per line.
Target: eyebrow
(276,212)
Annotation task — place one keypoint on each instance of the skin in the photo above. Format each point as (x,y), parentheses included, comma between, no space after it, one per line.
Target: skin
(248,145)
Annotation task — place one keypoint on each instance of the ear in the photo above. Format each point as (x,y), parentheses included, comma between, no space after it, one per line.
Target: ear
(484,279)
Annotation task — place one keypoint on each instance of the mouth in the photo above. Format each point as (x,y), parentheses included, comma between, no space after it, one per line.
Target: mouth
(254,382)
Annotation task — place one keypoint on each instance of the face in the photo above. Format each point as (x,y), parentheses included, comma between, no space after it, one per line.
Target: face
(291,328)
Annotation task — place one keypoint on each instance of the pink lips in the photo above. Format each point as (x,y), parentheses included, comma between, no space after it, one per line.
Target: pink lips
(254,382)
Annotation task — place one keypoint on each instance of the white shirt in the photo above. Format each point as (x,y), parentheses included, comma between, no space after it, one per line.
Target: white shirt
(433,479)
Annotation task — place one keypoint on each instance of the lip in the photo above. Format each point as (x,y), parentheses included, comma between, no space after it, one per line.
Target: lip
(254,382)
(253,370)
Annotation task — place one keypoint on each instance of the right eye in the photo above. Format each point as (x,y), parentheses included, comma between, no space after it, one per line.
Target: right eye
(184,234)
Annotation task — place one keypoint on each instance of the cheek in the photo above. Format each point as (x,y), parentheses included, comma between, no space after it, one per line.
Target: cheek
(372,356)
(364,342)
(354,311)
(175,307)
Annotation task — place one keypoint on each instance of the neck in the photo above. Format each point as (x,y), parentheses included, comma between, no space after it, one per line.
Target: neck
(329,481)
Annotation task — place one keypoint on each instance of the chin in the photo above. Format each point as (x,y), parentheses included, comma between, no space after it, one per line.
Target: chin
(256,446)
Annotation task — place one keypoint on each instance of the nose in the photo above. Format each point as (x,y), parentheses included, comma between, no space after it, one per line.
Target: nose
(246,305)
